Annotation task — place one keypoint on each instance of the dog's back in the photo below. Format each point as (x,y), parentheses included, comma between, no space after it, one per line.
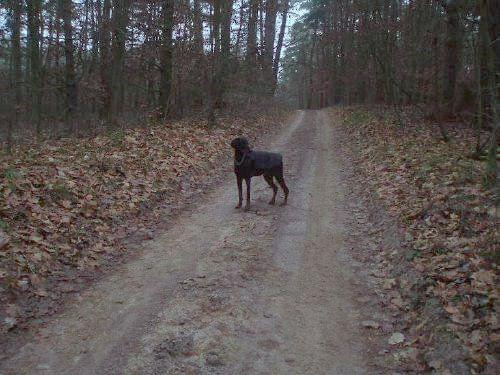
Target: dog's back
(263,160)
(249,163)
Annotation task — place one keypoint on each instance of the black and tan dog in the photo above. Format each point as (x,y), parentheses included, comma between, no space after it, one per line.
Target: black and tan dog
(249,163)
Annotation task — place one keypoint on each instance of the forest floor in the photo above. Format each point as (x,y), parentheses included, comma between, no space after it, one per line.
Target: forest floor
(323,285)
(70,207)
(439,283)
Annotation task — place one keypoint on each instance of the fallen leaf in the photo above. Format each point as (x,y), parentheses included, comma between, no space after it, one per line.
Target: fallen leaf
(389,283)
(10,322)
(396,338)
(4,240)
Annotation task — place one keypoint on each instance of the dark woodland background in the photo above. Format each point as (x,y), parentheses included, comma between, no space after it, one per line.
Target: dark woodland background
(73,65)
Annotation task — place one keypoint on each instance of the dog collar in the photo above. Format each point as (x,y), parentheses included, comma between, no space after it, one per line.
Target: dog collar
(238,163)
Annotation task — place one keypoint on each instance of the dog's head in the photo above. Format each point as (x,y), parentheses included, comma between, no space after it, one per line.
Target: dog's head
(240,144)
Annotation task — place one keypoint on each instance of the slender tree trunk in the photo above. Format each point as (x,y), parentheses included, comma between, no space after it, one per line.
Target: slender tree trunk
(214,80)
(269,36)
(33,10)
(221,21)
(198,28)
(453,48)
(493,14)
(489,30)
(279,45)
(237,43)
(436,70)
(70,76)
(120,22)
(105,59)
(216,21)
(166,55)
(251,52)
(202,76)
(225,43)
(492,164)
(95,9)
(16,73)
(395,97)
(150,63)
(483,57)
(53,61)
(260,46)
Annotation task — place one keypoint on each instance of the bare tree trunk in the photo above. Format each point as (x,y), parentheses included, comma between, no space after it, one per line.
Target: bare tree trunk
(70,76)
(214,79)
(251,52)
(120,22)
(33,10)
(493,14)
(105,59)
(260,46)
(216,21)
(150,64)
(269,36)
(279,45)
(166,55)
(237,43)
(198,27)
(16,73)
(95,9)
(221,21)
(453,47)
(483,96)
(225,43)
(202,76)
(490,30)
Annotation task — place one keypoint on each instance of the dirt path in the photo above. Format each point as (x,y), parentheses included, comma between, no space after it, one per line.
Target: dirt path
(223,291)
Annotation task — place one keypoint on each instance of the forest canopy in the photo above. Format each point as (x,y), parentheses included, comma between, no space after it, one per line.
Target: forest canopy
(71,64)
(440,56)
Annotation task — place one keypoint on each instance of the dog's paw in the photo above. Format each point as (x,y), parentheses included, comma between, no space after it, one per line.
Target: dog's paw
(247,208)
(238,206)
(272,202)
(283,203)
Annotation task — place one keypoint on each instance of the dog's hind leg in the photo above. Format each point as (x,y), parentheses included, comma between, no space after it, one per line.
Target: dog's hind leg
(269,180)
(282,183)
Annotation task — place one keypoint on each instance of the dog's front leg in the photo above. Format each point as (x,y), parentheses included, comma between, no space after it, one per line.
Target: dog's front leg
(247,206)
(240,191)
